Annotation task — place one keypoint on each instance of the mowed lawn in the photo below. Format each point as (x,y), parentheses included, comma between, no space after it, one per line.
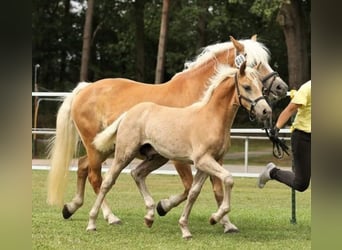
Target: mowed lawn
(262,215)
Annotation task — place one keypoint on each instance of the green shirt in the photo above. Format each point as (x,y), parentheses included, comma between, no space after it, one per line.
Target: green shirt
(302,120)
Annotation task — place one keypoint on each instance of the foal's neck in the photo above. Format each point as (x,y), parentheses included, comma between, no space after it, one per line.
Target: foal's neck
(224,102)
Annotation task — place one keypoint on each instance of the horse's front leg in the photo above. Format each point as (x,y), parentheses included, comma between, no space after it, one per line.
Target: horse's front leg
(185,173)
(218,192)
(139,174)
(196,187)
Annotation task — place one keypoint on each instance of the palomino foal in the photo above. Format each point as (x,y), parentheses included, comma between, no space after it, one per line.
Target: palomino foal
(198,134)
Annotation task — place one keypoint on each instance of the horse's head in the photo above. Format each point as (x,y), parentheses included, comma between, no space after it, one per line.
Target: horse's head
(274,88)
(249,90)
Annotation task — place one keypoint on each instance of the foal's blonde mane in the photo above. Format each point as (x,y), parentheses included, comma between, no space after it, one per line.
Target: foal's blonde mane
(224,71)
(256,53)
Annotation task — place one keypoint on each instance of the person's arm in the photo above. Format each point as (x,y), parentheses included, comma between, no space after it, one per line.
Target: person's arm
(285,115)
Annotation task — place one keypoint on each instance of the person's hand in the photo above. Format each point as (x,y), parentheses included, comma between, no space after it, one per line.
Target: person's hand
(274,132)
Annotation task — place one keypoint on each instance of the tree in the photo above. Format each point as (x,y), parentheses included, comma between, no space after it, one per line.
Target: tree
(87,37)
(292,18)
(139,38)
(162,42)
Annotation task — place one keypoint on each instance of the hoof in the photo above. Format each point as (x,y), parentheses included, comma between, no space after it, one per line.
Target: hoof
(91,229)
(113,220)
(66,213)
(212,221)
(117,222)
(187,237)
(148,222)
(161,210)
(231,231)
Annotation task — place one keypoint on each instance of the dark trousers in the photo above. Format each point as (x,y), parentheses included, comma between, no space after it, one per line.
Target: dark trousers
(299,179)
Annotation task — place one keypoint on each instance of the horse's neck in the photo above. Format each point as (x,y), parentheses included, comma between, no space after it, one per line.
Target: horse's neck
(192,82)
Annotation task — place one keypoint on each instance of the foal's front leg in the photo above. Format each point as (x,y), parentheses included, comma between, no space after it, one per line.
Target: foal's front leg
(218,191)
(212,167)
(139,174)
(196,187)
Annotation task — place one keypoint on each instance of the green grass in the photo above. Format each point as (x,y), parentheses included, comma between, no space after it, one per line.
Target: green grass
(262,215)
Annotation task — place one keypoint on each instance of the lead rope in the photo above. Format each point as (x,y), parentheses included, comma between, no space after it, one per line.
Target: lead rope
(279,145)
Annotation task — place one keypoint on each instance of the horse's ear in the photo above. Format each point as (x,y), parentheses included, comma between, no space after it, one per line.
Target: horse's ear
(257,66)
(239,46)
(243,68)
(254,37)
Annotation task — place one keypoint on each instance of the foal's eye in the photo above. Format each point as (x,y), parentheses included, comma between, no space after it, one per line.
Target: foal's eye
(247,88)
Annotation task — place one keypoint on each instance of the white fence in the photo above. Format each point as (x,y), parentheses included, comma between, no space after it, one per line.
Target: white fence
(246,134)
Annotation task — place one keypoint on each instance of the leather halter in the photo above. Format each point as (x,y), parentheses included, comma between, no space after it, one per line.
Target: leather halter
(252,102)
(266,91)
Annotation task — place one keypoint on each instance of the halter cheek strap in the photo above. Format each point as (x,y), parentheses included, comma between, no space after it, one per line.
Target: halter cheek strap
(252,102)
(267,91)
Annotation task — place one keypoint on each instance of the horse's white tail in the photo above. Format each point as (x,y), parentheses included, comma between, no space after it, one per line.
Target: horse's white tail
(105,140)
(63,147)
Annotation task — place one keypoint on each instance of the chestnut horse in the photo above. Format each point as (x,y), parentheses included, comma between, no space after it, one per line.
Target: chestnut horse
(91,107)
(198,134)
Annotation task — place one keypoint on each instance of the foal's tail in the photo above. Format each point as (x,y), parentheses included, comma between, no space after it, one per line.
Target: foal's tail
(104,141)
(63,147)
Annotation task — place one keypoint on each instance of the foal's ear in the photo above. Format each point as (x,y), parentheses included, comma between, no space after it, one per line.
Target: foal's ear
(254,37)
(243,68)
(239,46)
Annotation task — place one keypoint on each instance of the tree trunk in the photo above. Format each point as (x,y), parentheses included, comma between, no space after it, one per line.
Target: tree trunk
(66,24)
(202,24)
(86,41)
(162,43)
(291,17)
(139,40)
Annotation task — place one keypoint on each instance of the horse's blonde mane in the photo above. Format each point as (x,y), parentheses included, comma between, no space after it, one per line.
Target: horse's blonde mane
(256,53)
(224,71)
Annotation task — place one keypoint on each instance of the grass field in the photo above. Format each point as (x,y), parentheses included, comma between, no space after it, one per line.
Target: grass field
(262,215)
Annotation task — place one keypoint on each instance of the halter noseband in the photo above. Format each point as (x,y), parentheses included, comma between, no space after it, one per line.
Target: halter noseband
(253,103)
(267,90)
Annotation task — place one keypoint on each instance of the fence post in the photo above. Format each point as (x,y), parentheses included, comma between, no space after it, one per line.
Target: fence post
(246,154)
(293,204)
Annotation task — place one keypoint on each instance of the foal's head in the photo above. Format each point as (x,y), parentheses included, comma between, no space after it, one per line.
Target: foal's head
(249,90)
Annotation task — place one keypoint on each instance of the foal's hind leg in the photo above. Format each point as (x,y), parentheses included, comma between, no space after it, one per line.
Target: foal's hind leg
(95,179)
(185,173)
(139,174)
(106,185)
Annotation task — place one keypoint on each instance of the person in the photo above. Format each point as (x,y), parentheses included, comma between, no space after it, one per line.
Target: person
(299,178)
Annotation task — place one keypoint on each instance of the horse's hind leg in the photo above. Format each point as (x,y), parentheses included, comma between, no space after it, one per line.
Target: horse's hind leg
(90,168)
(139,174)
(82,172)
(218,192)
(185,173)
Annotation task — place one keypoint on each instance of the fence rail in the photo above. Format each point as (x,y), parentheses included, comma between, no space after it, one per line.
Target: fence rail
(245,134)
